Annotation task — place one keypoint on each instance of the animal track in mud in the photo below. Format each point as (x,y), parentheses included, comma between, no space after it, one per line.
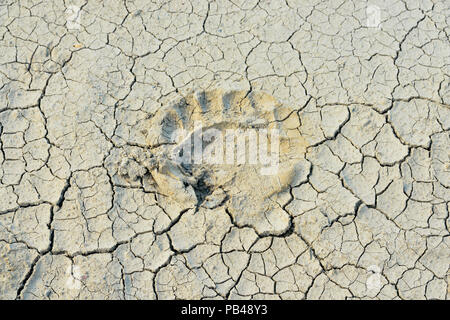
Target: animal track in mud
(235,149)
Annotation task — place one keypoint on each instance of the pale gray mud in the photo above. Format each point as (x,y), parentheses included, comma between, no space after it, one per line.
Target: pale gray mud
(92,207)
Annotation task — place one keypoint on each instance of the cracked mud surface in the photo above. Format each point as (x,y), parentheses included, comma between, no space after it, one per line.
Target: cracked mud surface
(87,213)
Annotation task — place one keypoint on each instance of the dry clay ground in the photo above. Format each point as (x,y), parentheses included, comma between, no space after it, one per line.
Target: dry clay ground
(87,212)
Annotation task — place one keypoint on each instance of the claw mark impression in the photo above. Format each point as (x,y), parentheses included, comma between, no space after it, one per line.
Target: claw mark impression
(238,148)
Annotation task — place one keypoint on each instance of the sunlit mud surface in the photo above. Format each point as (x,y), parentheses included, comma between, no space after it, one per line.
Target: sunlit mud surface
(94,206)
